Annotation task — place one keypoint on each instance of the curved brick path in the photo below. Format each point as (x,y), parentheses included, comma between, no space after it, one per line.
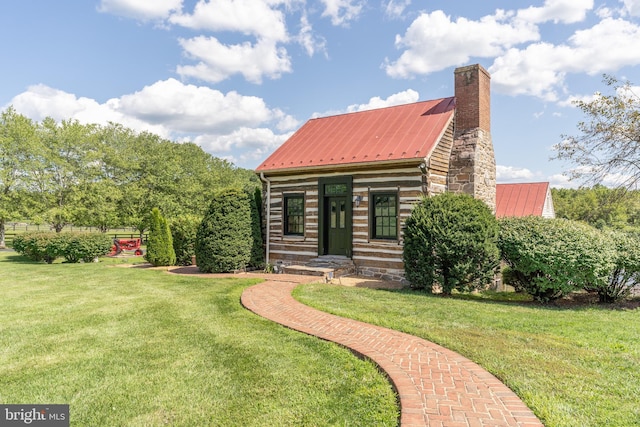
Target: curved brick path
(436,386)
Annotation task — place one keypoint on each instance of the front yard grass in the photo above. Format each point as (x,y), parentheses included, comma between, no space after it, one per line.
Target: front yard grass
(573,367)
(140,347)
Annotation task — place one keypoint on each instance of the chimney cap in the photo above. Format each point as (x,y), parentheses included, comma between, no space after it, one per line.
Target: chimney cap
(472,67)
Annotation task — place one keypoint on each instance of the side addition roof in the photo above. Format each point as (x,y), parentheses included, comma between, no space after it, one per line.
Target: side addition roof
(389,134)
(518,200)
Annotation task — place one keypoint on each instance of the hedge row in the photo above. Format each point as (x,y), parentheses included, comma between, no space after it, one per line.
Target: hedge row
(549,258)
(453,242)
(73,247)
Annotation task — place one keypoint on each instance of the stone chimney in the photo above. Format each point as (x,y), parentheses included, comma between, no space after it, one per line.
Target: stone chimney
(472,166)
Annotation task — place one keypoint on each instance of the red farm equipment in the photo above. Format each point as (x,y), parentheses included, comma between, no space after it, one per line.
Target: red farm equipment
(122,245)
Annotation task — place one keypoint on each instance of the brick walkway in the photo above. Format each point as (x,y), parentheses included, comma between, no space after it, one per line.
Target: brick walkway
(436,387)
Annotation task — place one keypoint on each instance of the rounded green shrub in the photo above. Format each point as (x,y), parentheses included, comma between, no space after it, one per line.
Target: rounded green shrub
(20,244)
(549,258)
(41,246)
(625,273)
(450,242)
(74,247)
(86,246)
(159,243)
(224,240)
(183,232)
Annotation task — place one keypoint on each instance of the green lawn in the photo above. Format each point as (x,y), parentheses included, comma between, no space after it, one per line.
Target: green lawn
(140,347)
(573,367)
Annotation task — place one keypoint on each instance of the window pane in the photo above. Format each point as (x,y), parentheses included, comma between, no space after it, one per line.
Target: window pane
(294,214)
(384,216)
(343,214)
(335,189)
(333,214)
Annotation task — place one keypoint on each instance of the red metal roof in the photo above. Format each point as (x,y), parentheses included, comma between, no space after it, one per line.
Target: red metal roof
(519,200)
(402,132)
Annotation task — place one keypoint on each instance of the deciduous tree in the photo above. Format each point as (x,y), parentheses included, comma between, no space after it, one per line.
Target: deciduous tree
(608,145)
(17,146)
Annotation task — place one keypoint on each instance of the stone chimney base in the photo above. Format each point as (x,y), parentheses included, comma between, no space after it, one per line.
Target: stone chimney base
(472,168)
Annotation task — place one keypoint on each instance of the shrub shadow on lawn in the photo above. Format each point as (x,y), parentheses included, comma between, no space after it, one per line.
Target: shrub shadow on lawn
(19,259)
(574,301)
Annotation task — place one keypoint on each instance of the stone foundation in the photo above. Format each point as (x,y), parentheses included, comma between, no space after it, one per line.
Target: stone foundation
(392,275)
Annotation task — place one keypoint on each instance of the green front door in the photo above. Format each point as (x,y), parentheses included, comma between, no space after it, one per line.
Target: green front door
(336,225)
(335,216)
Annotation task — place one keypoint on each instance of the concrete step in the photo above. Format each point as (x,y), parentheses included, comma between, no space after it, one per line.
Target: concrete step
(328,267)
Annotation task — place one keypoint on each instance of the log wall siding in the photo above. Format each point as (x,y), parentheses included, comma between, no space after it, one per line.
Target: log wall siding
(438,166)
(375,258)
(287,250)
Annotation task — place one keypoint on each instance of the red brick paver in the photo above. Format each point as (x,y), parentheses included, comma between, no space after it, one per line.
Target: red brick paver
(436,386)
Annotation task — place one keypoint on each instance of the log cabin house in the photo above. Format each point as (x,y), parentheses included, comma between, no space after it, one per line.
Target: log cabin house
(340,189)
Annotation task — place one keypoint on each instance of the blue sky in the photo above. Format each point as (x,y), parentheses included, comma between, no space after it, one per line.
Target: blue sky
(240,76)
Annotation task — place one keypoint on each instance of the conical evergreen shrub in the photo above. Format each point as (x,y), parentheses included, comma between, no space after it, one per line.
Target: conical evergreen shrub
(159,243)
(183,232)
(257,249)
(224,240)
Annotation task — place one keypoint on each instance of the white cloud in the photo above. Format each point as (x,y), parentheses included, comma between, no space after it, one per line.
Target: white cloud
(632,7)
(342,12)
(561,181)
(406,97)
(523,63)
(308,40)
(143,10)
(395,8)
(263,20)
(219,122)
(285,121)
(541,68)
(218,62)
(615,180)
(604,12)
(534,71)
(41,101)
(195,109)
(565,11)
(251,17)
(255,143)
(571,100)
(610,41)
(583,175)
(434,42)
(513,174)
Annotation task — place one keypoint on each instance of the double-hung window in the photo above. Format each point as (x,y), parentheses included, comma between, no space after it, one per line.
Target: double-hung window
(384,216)
(294,214)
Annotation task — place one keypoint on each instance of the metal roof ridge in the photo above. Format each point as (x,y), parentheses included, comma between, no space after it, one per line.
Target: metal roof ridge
(382,108)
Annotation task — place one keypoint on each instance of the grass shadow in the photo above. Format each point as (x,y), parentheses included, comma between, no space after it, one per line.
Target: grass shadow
(577,301)
(19,259)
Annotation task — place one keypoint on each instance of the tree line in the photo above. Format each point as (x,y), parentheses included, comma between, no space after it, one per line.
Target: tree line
(104,176)
(599,206)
